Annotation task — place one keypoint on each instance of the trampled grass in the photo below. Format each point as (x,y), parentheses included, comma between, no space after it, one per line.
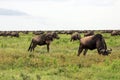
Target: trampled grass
(62,63)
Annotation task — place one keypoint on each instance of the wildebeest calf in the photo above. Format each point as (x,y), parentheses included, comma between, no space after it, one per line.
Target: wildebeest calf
(93,42)
(43,39)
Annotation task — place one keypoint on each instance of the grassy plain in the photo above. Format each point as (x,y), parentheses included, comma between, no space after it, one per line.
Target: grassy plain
(62,63)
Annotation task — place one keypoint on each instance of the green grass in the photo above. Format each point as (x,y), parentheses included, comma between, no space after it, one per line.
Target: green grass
(62,63)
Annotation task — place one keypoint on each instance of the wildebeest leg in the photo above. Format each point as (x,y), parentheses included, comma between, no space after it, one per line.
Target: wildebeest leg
(30,46)
(33,47)
(80,50)
(85,52)
(48,47)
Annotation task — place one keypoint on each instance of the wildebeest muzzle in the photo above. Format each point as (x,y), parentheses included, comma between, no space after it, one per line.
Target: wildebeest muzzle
(109,51)
(105,51)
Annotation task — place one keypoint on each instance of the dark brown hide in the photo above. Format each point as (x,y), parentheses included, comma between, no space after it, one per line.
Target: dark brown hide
(43,39)
(14,34)
(55,35)
(38,32)
(115,33)
(89,33)
(93,42)
(75,36)
(9,33)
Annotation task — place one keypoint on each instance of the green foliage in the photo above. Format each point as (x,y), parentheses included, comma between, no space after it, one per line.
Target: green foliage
(62,63)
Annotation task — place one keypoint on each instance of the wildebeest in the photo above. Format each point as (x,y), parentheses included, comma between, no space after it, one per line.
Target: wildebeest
(9,33)
(5,33)
(115,33)
(75,36)
(38,32)
(93,42)
(107,31)
(43,39)
(89,33)
(14,34)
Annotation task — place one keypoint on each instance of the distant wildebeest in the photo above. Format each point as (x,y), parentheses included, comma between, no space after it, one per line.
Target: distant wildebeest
(5,33)
(69,32)
(93,42)
(14,34)
(107,31)
(24,32)
(43,39)
(75,36)
(9,33)
(89,33)
(38,32)
(115,33)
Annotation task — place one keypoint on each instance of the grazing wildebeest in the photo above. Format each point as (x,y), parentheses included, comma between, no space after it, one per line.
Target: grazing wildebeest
(94,42)
(43,39)
(38,32)
(9,33)
(89,33)
(115,33)
(5,33)
(107,31)
(75,36)
(69,32)
(14,34)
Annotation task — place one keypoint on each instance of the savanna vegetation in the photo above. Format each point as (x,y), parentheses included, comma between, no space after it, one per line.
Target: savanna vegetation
(61,63)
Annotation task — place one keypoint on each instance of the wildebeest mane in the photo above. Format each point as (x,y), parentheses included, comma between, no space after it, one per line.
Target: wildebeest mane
(100,41)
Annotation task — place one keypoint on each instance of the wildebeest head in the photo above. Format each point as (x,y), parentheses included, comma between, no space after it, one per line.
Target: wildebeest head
(55,35)
(103,48)
(105,52)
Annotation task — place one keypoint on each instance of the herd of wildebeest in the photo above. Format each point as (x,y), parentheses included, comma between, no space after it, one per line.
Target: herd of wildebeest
(90,41)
